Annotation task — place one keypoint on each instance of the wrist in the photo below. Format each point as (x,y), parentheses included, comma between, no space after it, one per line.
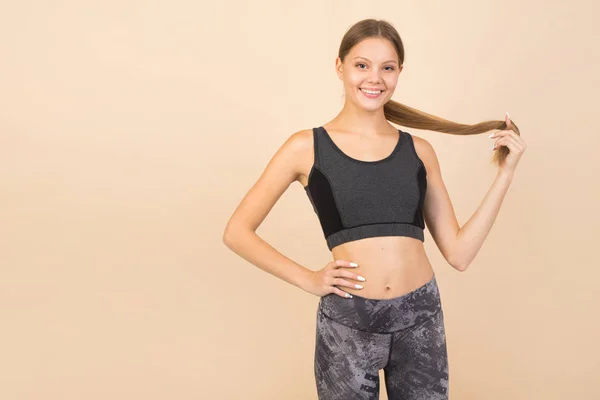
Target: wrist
(505,174)
(305,279)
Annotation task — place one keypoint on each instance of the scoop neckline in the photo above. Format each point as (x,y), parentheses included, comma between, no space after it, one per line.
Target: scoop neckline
(335,146)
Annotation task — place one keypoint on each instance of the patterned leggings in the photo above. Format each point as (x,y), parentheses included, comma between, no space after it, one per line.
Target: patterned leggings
(404,336)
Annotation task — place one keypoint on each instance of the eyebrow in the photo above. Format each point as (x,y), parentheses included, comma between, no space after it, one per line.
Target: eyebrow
(370,60)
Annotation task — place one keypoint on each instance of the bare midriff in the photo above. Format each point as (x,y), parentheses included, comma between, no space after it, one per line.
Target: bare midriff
(391,265)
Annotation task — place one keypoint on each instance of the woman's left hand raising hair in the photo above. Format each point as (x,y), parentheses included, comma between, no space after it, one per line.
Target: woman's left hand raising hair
(515,144)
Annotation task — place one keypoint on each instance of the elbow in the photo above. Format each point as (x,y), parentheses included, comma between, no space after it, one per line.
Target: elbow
(228,238)
(456,258)
(458,265)
(232,235)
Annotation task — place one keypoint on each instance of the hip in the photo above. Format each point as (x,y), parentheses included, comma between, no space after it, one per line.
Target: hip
(384,315)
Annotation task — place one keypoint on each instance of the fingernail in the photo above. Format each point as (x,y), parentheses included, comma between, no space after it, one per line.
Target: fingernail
(507,115)
(494,147)
(348,295)
(358,286)
(360,278)
(492,135)
(353,264)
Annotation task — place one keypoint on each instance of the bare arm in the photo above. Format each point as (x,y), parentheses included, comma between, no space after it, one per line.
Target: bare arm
(240,233)
(458,245)
(473,233)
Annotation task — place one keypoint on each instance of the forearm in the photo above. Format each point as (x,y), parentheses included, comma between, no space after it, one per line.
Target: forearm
(255,250)
(472,234)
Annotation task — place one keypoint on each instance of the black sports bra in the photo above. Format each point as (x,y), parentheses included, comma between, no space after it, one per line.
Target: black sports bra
(357,199)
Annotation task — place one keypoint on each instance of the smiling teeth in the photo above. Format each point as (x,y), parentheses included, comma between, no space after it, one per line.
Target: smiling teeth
(371,91)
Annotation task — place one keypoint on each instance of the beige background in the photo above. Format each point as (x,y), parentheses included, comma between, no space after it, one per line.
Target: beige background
(131,130)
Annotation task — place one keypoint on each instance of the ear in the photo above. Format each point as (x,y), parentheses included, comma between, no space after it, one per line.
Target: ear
(339,67)
(400,68)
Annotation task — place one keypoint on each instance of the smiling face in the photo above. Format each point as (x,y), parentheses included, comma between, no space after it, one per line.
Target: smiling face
(371,65)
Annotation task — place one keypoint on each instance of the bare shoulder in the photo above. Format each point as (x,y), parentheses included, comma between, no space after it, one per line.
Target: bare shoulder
(296,147)
(426,153)
(301,141)
(301,145)
(286,166)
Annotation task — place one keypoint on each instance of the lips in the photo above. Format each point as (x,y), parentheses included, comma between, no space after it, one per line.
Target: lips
(369,95)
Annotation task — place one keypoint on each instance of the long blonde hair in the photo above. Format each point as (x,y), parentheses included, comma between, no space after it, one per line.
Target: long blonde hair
(407,116)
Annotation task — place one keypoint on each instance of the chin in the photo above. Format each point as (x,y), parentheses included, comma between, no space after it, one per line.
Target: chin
(371,105)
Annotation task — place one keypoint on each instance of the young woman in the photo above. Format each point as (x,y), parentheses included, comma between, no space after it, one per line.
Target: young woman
(373,188)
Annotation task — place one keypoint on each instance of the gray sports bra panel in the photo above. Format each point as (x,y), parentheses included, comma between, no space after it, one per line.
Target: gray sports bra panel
(356,199)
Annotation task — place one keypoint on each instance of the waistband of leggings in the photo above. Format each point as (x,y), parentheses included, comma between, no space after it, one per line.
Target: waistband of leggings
(384,315)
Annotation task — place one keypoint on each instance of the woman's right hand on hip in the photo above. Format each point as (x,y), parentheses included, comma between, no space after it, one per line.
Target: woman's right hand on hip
(334,274)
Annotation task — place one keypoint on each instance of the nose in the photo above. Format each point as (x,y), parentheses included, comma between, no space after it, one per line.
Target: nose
(374,76)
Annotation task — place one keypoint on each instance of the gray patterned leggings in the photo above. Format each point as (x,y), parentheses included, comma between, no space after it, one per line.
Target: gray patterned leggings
(404,336)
